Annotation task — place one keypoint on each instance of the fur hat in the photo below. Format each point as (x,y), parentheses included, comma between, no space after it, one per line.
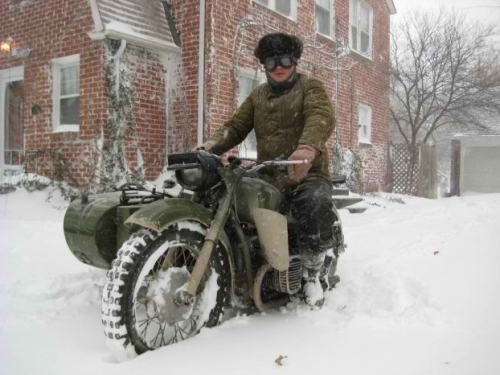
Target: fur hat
(278,44)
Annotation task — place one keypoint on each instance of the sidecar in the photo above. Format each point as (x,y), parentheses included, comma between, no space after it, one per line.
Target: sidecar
(94,225)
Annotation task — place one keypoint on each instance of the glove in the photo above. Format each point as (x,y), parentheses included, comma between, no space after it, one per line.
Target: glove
(207,146)
(297,172)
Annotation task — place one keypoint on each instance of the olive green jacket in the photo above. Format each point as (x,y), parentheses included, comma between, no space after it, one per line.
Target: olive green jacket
(304,115)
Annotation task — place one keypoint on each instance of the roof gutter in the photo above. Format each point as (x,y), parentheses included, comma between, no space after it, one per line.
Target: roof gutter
(392,7)
(201,73)
(99,28)
(151,43)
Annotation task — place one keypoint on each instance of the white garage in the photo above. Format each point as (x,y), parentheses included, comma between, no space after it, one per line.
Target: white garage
(480,164)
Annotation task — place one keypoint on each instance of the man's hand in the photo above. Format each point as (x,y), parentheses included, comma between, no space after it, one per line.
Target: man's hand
(207,146)
(297,172)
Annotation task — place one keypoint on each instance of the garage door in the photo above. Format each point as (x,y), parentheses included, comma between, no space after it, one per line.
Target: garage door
(481,170)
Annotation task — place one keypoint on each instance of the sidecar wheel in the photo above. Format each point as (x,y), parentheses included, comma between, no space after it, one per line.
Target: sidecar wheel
(138,311)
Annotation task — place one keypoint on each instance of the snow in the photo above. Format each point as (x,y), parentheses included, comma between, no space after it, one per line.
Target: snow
(419,294)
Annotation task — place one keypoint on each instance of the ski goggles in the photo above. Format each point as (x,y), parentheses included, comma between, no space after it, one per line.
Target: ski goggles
(272,63)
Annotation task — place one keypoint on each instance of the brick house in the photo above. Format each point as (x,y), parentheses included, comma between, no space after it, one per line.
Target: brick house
(92,88)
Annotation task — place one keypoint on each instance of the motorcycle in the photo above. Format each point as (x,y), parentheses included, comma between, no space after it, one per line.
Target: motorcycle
(175,262)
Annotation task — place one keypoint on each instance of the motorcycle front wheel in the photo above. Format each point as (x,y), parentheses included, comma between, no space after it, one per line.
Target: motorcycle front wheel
(138,308)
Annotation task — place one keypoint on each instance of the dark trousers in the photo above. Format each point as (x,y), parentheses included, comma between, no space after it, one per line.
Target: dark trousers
(311,206)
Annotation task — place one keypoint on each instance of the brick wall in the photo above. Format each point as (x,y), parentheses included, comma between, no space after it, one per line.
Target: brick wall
(182,131)
(53,29)
(147,135)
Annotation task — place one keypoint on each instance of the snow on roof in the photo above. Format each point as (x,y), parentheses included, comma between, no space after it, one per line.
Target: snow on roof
(392,7)
(139,21)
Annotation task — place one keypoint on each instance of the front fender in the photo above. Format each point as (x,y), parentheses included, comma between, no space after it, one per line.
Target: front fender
(161,214)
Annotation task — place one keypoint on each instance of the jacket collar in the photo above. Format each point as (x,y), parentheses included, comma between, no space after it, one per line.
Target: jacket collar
(276,89)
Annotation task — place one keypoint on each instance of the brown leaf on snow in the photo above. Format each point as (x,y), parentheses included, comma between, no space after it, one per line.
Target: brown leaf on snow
(280,359)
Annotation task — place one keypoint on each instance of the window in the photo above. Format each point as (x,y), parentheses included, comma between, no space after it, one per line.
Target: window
(249,80)
(365,124)
(66,93)
(361,21)
(324,17)
(288,8)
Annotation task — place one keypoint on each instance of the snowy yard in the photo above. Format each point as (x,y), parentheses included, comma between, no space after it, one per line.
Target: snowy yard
(420,294)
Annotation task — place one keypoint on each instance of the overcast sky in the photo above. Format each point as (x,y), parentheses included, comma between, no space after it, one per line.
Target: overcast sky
(481,10)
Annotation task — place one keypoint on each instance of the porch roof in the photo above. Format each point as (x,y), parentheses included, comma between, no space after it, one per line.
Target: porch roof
(141,21)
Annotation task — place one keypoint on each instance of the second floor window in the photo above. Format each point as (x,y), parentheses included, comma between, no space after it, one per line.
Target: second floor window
(287,8)
(324,17)
(66,93)
(361,25)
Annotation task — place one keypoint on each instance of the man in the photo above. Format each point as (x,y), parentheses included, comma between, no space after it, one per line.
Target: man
(293,118)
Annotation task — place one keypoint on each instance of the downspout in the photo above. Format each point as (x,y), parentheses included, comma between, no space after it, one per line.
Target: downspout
(201,73)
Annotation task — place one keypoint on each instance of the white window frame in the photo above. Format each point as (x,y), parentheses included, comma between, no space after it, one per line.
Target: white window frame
(361,137)
(358,4)
(332,19)
(271,4)
(7,76)
(260,77)
(57,64)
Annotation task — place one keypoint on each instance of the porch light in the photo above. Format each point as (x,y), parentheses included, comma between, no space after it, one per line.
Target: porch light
(6,45)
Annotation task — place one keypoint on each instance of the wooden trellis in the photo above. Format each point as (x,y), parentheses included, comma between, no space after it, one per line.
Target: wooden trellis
(424,172)
(399,160)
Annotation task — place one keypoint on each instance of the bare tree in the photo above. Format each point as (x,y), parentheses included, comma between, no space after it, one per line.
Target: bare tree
(444,73)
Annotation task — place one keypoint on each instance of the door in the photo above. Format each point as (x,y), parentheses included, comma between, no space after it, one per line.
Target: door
(481,170)
(11,119)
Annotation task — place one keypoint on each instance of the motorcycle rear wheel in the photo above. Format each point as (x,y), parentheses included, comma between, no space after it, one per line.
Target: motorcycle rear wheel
(138,312)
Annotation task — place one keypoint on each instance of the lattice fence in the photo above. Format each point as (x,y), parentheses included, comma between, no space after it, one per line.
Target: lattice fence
(399,160)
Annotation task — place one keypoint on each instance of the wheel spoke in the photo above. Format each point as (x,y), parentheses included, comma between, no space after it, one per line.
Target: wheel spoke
(180,330)
(186,333)
(160,332)
(193,323)
(162,329)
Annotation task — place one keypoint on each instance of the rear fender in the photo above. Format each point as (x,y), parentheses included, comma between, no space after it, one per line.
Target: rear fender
(164,213)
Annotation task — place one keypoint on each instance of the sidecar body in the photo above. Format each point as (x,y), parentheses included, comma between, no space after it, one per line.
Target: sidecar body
(94,228)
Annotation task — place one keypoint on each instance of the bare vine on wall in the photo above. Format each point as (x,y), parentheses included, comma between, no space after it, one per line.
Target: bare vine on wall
(120,126)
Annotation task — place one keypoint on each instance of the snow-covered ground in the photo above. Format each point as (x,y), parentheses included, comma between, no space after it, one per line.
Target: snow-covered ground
(420,294)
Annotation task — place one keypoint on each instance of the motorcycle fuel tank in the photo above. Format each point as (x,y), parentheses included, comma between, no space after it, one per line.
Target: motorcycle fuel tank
(254,193)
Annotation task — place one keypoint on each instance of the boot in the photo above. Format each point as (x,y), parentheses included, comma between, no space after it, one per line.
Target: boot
(313,290)
(327,276)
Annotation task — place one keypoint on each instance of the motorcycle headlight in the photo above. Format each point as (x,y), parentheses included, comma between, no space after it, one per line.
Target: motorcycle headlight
(190,179)
(196,171)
